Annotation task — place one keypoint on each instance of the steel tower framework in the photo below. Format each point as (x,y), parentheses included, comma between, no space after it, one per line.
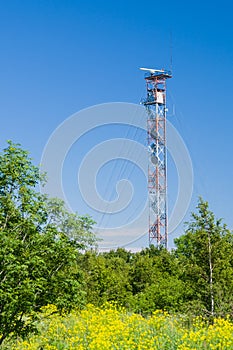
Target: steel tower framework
(155,103)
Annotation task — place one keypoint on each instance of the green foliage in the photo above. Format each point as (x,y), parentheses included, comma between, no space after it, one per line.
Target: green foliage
(49,256)
(155,281)
(195,278)
(108,328)
(38,261)
(205,252)
(77,228)
(107,278)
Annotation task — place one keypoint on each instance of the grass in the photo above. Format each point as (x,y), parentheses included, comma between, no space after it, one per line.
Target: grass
(111,328)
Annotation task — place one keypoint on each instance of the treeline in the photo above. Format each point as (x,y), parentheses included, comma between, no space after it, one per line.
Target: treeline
(196,278)
(50,256)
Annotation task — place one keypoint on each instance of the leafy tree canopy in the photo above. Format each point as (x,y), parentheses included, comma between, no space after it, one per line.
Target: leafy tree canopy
(205,252)
(39,246)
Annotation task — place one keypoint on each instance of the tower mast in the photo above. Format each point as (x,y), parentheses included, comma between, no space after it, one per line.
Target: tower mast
(155,104)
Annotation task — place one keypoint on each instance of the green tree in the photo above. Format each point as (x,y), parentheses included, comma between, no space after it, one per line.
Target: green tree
(107,277)
(38,261)
(77,228)
(165,292)
(155,280)
(205,252)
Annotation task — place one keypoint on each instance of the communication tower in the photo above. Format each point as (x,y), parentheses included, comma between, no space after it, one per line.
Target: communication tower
(155,104)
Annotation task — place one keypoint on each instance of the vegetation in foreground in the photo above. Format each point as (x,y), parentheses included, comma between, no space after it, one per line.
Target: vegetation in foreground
(106,328)
(48,256)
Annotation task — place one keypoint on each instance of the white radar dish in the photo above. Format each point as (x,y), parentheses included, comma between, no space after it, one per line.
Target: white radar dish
(152,71)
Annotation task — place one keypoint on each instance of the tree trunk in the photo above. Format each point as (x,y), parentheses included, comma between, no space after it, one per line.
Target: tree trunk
(211,276)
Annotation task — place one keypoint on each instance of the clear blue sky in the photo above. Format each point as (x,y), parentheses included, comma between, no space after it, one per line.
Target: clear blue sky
(58,57)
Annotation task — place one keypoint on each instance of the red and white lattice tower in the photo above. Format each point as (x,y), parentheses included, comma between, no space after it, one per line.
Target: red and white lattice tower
(155,103)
